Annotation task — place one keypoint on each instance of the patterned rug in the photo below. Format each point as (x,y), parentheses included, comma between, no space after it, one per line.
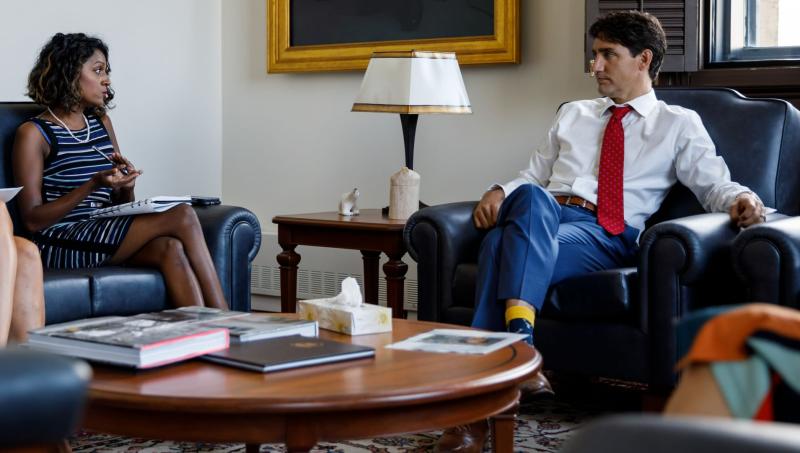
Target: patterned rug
(541,427)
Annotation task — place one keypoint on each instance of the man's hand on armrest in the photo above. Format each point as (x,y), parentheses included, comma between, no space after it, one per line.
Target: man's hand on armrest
(747,210)
(485,213)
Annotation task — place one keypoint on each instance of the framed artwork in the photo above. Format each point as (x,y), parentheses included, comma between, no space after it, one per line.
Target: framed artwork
(337,35)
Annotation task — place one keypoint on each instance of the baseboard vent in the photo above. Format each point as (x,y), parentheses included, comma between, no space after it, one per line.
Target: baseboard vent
(315,284)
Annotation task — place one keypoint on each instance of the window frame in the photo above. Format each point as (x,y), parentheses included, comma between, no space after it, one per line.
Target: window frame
(721,55)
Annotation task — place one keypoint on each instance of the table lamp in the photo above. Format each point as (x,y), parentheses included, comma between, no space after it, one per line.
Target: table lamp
(411,83)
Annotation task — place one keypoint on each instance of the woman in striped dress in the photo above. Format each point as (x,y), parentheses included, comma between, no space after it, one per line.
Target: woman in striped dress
(68,161)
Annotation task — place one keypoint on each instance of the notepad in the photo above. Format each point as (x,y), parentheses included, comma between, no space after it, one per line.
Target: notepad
(146,206)
(7,194)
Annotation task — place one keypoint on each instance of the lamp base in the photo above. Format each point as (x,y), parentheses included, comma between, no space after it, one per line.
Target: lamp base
(385,210)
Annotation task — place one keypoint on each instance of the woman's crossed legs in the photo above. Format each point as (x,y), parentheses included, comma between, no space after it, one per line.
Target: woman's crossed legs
(172,241)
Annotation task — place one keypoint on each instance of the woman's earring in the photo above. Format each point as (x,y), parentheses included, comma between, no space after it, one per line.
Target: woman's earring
(591,68)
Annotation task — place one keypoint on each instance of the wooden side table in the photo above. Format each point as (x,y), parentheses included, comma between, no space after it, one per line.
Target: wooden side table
(369,232)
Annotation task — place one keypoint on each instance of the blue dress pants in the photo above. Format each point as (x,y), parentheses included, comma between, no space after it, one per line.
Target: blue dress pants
(537,243)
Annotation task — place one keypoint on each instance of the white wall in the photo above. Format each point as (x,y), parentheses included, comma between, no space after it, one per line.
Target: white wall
(292,145)
(165,60)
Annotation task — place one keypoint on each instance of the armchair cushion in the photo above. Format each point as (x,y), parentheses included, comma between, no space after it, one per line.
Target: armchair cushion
(124,291)
(69,291)
(599,295)
(606,295)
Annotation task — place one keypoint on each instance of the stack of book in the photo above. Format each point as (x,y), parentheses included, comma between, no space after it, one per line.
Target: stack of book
(142,341)
(154,339)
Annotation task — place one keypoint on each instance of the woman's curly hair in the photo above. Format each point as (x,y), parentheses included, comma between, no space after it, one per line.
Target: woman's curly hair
(54,79)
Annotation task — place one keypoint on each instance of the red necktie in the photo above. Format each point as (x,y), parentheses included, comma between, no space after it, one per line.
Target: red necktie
(610,209)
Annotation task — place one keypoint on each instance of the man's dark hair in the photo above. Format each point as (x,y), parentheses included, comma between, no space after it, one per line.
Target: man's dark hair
(54,79)
(636,31)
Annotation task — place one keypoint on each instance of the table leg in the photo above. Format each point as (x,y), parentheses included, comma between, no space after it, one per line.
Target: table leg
(300,436)
(503,430)
(370,275)
(395,270)
(288,260)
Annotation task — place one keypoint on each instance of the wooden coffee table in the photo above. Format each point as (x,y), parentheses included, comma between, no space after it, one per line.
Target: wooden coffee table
(397,392)
(370,232)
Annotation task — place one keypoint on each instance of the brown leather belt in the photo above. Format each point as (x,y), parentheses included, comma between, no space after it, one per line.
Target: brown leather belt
(572,200)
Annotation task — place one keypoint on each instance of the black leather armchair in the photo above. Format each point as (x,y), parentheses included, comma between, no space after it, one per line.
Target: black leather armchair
(767,257)
(619,323)
(42,398)
(657,434)
(233,236)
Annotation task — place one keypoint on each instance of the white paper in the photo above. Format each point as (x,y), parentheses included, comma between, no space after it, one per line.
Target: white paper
(7,194)
(458,341)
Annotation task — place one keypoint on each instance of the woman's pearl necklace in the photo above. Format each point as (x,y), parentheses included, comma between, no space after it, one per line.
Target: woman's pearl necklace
(61,123)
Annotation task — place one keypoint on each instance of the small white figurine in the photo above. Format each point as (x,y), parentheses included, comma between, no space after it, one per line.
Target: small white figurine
(348,204)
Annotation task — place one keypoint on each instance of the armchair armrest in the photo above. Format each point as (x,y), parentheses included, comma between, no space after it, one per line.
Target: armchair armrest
(438,238)
(767,257)
(674,256)
(41,397)
(647,432)
(233,236)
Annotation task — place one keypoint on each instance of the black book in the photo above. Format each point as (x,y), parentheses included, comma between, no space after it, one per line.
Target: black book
(283,353)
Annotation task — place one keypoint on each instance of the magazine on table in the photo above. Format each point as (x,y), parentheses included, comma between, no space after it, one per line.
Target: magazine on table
(253,327)
(145,206)
(458,341)
(283,353)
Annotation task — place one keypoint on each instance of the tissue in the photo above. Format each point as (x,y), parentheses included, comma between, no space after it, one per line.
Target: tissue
(346,313)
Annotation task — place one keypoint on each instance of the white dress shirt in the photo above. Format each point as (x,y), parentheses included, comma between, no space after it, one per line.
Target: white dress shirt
(663,144)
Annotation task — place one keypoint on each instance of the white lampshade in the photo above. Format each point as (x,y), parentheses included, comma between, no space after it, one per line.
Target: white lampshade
(413,82)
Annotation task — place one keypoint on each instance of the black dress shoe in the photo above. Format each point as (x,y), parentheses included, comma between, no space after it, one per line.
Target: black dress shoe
(464,438)
(535,388)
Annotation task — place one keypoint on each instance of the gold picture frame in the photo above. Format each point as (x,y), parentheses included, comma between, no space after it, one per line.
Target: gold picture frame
(502,47)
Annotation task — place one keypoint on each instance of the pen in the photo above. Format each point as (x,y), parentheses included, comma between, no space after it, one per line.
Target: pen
(123,170)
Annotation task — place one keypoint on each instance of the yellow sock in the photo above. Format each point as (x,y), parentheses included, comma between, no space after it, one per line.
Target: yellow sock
(519,311)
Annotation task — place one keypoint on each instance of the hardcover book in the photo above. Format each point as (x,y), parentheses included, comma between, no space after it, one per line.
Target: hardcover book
(258,327)
(142,341)
(284,353)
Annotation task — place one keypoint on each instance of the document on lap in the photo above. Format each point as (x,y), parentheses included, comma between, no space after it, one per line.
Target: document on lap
(146,206)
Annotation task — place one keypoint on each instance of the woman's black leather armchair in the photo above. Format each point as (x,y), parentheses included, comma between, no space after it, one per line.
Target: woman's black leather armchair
(619,323)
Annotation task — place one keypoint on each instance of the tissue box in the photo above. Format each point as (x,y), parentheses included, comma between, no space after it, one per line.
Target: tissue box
(351,320)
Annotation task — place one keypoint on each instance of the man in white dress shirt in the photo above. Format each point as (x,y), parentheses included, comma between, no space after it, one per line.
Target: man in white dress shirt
(604,168)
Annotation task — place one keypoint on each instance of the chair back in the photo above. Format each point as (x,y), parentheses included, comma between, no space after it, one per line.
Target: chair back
(12,114)
(758,138)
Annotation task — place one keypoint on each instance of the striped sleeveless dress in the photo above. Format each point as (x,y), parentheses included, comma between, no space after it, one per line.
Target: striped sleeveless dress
(76,240)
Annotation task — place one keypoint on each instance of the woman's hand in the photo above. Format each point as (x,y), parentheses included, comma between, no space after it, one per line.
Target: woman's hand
(115,180)
(126,168)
